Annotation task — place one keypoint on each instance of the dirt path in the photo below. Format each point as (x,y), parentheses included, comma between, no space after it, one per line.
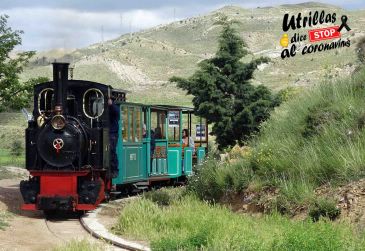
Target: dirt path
(29,230)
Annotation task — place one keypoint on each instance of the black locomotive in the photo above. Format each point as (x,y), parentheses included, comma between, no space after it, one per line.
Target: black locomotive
(67,151)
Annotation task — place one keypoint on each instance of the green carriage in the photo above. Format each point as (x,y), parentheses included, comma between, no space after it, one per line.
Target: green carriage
(150,147)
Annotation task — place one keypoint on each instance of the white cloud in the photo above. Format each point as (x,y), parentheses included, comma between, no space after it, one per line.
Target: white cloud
(50,28)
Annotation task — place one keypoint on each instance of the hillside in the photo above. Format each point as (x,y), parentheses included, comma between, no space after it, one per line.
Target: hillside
(143,61)
(312,144)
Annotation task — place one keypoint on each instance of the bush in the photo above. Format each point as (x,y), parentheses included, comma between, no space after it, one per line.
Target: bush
(318,118)
(204,183)
(160,197)
(214,179)
(16,148)
(324,208)
(163,197)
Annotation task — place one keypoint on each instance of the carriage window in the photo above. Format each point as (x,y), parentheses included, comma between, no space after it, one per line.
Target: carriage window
(93,103)
(158,122)
(138,125)
(125,124)
(45,101)
(133,125)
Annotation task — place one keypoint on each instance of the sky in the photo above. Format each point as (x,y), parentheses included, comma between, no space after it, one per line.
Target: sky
(49,24)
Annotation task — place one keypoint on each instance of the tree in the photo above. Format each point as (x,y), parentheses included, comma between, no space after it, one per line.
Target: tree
(14,94)
(223,93)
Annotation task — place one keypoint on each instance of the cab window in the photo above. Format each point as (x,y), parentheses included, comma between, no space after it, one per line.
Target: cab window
(93,103)
(46,101)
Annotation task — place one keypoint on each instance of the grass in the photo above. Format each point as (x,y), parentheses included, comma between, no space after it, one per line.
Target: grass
(4,216)
(79,245)
(7,159)
(188,223)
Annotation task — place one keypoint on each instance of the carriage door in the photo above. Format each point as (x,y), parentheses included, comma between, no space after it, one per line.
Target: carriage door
(130,150)
(158,142)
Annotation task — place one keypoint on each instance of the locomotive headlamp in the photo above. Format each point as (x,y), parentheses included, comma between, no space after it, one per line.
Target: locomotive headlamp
(58,122)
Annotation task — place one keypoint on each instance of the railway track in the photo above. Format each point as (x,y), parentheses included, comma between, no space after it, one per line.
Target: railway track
(67,227)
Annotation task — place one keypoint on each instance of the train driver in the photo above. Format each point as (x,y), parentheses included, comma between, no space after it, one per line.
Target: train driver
(114,114)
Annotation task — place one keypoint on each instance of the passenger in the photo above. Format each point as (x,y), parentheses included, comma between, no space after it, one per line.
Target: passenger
(158,133)
(187,141)
(114,114)
(153,142)
(144,131)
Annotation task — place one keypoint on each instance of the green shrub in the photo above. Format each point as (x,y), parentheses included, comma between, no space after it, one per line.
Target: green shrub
(317,119)
(160,197)
(16,148)
(163,197)
(213,179)
(324,208)
(204,182)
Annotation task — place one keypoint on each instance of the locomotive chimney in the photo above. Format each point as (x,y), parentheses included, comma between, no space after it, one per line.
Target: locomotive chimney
(60,79)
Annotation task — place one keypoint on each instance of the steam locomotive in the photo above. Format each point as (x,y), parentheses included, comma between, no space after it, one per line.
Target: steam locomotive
(68,151)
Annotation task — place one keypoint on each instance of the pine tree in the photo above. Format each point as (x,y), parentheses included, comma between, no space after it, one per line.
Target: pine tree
(222,92)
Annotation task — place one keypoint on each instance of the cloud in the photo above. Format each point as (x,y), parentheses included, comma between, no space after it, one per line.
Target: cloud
(78,23)
(50,28)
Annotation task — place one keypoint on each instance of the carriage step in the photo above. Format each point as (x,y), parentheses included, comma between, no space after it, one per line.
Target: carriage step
(142,187)
(142,183)
(115,192)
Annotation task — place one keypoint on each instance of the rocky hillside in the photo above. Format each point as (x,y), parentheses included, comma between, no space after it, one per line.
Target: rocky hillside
(142,62)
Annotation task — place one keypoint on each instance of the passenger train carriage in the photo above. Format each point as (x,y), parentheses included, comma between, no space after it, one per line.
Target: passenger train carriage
(68,151)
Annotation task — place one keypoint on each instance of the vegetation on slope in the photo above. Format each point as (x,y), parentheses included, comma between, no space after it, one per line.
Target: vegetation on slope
(187,223)
(316,138)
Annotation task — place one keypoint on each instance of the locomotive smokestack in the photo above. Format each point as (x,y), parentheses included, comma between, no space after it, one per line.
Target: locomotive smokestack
(60,80)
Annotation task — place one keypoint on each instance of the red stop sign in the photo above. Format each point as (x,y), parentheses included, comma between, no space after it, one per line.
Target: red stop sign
(324,34)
